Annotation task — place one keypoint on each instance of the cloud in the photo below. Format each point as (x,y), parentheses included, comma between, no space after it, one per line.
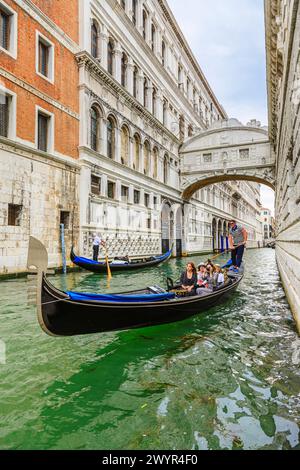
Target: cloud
(227,38)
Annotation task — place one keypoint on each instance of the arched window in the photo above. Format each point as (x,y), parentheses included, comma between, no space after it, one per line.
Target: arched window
(135,81)
(124,70)
(154,98)
(153,37)
(94,39)
(136,152)
(166,169)
(146,157)
(124,145)
(145,17)
(94,115)
(111,137)
(110,56)
(155,162)
(163,53)
(145,91)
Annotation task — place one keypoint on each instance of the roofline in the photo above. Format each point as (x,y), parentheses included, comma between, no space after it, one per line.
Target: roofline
(180,36)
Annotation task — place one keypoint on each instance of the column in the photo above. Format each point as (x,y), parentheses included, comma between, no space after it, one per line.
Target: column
(140,91)
(104,185)
(130,69)
(103,47)
(103,138)
(118,144)
(141,169)
(130,156)
(117,62)
(149,102)
(159,105)
(84,25)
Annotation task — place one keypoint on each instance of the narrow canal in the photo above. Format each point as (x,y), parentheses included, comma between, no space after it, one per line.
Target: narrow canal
(225,379)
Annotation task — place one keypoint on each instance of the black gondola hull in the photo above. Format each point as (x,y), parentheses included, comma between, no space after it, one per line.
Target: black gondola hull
(102,267)
(63,317)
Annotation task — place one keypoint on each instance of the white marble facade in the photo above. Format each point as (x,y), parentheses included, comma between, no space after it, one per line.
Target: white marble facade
(283,75)
(144,93)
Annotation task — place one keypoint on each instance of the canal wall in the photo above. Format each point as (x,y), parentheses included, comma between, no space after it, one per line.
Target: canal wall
(283,76)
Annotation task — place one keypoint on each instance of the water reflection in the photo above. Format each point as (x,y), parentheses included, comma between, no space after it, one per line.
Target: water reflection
(223,379)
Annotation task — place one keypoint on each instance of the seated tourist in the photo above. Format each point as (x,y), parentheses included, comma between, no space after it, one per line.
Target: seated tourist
(188,279)
(218,276)
(201,275)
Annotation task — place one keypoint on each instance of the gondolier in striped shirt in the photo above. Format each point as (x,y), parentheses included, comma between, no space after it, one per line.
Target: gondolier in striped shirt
(96,245)
(237,242)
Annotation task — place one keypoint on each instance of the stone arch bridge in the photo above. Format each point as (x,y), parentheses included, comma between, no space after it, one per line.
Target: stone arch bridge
(227,151)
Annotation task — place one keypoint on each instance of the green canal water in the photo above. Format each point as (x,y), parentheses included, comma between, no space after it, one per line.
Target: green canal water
(225,379)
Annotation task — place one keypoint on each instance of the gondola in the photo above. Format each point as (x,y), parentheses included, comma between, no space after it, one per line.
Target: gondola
(71,313)
(118,264)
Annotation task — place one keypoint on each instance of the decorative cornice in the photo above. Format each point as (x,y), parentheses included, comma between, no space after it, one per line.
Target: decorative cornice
(30,153)
(39,16)
(26,86)
(84,59)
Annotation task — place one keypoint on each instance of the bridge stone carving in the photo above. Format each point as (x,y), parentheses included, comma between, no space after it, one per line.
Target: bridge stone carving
(227,151)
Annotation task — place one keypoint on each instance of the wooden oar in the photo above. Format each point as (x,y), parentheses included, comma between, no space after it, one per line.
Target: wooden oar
(219,254)
(109,275)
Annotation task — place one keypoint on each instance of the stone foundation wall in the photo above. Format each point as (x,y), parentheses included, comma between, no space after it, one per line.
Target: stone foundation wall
(43,189)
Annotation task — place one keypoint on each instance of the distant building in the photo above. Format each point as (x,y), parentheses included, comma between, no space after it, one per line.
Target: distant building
(267,221)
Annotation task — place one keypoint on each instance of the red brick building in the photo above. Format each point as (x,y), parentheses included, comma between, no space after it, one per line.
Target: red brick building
(39,127)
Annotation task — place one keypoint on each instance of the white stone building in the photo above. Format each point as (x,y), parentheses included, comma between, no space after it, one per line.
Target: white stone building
(142,94)
(267,221)
(283,76)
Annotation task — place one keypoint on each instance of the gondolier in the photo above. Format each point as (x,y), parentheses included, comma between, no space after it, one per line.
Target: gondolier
(237,242)
(96,245)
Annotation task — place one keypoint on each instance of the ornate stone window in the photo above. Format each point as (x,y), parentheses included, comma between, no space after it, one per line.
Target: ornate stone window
(165,113)
(135,81)
(110,56)
(111,129)
(154,98)
(153,37)
(166,169)
(136,152)
(94,39)
(94,128)
(145,21)
(146,157)
(163,53)
(124,63)
(124,145)
(145,91)
(155,162)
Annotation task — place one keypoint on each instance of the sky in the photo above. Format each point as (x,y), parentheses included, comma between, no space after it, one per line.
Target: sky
(228,39)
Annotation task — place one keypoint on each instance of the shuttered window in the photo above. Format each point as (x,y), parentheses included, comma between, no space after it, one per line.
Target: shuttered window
(4,115)
(43,59)
(43,123)
(4,29)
